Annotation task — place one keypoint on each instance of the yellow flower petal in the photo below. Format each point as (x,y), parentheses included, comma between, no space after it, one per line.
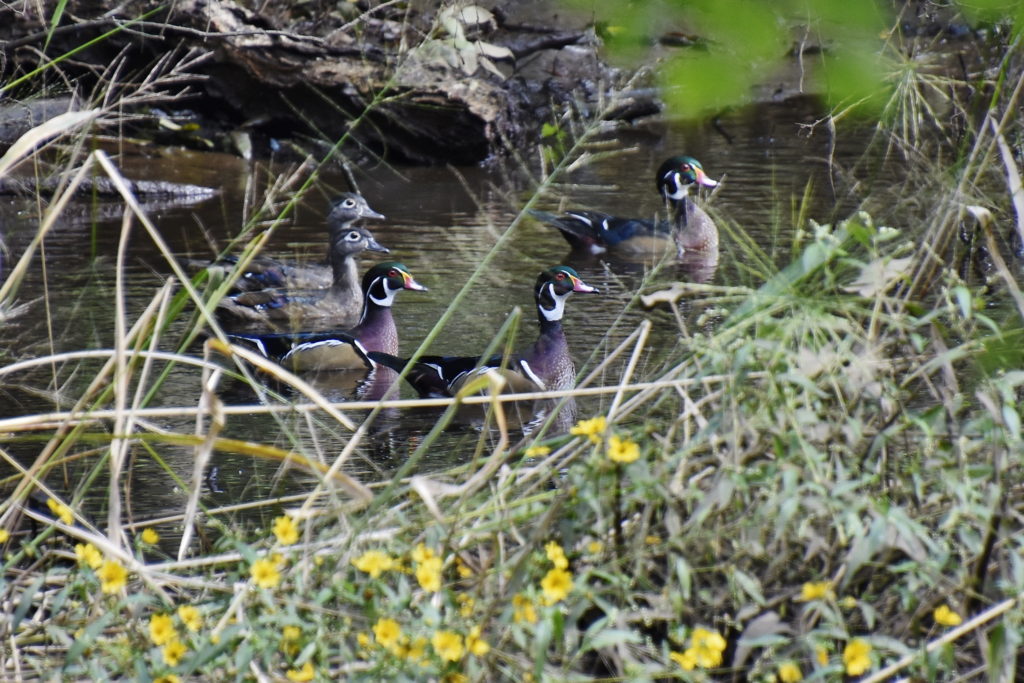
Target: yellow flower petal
(264,573)
(556,585)
(302,675)
(285,530)
(856,656)
(945,616)
(161,629)
(447,645)
(789,672)
(113,576)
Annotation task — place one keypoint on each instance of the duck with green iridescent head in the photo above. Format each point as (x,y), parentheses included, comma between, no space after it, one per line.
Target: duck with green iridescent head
(689,230)
(544,366)
(348,349)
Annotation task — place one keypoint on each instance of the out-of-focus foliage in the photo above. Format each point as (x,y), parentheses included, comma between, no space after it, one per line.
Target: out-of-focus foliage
(734,44)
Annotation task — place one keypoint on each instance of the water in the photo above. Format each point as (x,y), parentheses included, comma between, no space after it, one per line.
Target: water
(441,223)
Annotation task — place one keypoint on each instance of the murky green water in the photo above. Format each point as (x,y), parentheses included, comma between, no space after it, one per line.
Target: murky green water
(441,223)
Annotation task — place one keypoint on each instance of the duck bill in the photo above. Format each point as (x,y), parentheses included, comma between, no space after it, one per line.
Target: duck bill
(374,245)
(703,179)
(409,283)
(579,285)
(370,213)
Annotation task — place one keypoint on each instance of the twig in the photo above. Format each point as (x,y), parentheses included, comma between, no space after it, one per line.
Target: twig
(946,638)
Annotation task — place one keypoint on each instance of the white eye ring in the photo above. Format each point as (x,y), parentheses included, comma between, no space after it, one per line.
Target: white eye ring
(349,203)
(353,236)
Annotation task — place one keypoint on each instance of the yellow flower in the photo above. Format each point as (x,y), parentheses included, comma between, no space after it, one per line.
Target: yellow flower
(944,616)
(789,672)
(428,573)
(373,562)
(421,553)
(301,675)
(363,640)
(523,610)
(417,649)
(113,576)
(4,535)
(849,602)
(466,603)
(447,645)
(173,652)
(687,660)
(387,632)
(856,656)
(595,547)
(285,530)
(161,629)
(652,539)
(593,428)
(622,450)
(291,633)
(707,647)
(191,617)
(264,573)
(821,654)
(150,536)
(60,510)
(88,554)
(556,555)
(556,584)
(462,569)
(537,451)
(454,677)
(169,678)
(815,590)
(475,644)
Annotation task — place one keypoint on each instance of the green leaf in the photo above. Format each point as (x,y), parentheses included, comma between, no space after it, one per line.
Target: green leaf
(86,638)
(613,636)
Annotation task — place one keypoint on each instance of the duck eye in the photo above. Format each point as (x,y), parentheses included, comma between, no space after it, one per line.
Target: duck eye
(560,276)
(685,167)
(353,236)
(349,203)
(392,273)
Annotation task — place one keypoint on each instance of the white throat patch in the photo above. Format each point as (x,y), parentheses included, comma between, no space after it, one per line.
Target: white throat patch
(555,313)
(389,297)
(675,188)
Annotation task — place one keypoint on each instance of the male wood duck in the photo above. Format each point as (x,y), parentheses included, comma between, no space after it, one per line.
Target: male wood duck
(376,331)
(292,308)
(546,365)
(689,228)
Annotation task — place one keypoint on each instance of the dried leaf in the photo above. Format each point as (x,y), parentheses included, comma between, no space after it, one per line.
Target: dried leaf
(879,275)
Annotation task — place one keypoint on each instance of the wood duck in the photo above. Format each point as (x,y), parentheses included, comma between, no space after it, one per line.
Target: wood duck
(376,331)
(689,228)
(546,365)
(291,308)
(266,273)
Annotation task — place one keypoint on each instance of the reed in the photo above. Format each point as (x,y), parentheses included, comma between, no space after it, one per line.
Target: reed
(821,477)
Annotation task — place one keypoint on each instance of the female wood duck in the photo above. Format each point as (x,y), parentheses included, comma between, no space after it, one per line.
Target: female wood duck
(546,365)
(689,228)
(292,309)
(376,331)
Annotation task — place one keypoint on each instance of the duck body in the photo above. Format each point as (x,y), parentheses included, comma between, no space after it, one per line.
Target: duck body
(546,365)
(265,272)
(688,229)
(282,308)
(348,349)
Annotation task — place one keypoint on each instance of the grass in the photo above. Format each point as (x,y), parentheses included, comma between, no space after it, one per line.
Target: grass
(823,481)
